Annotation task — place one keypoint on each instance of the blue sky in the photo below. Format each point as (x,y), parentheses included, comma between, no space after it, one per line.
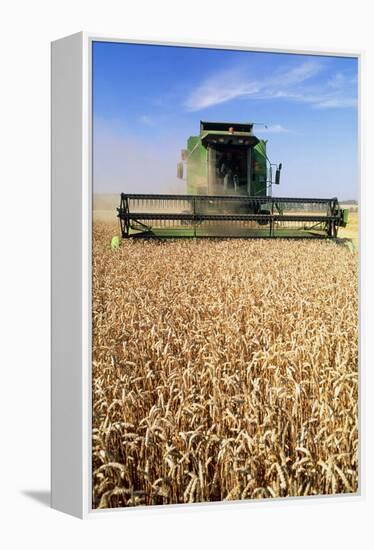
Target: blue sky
(147,100)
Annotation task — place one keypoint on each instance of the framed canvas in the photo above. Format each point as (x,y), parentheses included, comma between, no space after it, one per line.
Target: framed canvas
(205,275)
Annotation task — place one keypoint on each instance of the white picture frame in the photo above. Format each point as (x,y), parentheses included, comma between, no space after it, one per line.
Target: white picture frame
(71,151)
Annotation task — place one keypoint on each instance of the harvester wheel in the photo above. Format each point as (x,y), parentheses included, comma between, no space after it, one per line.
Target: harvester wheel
(116,242)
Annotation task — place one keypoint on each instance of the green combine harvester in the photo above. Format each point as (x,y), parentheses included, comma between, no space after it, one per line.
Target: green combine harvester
(229,180)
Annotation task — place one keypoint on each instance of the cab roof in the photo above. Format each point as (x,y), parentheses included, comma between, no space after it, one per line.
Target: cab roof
(225,127)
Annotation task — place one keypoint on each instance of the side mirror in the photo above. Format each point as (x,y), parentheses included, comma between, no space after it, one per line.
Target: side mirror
(180,170)
(278,174)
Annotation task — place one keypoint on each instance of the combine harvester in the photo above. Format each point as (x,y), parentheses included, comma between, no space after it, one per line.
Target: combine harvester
(229,182)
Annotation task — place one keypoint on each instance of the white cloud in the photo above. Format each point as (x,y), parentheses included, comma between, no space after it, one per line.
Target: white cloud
(147,120)
(272,129)
(296,75)
(290,84)
(220,88)
(337,102)
(336,81)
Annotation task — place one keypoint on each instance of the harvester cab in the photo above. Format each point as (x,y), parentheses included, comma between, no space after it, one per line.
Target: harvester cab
(229,180)
(227,158)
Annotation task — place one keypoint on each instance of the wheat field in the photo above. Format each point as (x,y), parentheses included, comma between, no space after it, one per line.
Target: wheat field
(223,370)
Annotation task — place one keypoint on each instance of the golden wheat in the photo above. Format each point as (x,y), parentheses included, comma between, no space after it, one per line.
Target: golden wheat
(223,370)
